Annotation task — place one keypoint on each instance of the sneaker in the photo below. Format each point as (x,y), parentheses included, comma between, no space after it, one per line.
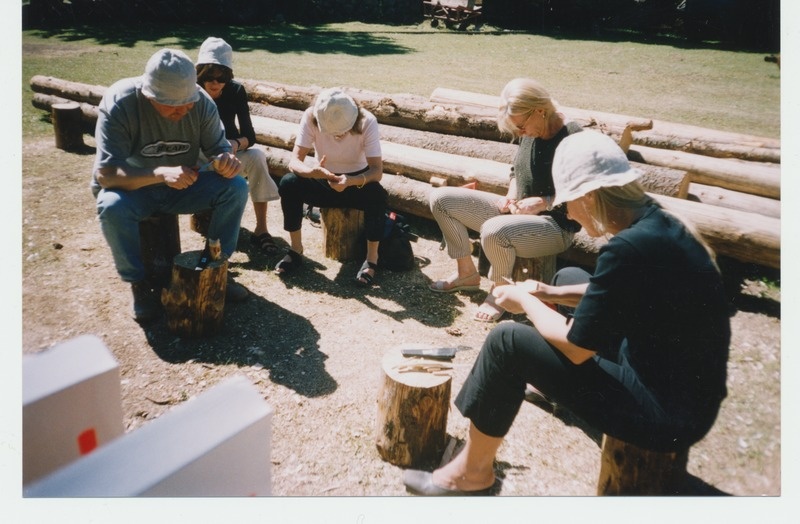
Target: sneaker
(235,292)
(146,305)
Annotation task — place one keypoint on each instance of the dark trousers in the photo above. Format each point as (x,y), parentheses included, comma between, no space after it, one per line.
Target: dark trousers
(296,191)
(607,395)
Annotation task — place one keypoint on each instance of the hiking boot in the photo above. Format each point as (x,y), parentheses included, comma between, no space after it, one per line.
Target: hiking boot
(146,305)
(235,292)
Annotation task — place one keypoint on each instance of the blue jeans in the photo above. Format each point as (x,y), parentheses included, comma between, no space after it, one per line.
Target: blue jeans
(121,211)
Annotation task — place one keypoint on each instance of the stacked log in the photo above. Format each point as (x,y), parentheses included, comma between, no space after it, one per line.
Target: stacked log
(734,202)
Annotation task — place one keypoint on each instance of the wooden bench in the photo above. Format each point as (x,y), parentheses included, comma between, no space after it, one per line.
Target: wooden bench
(458,13)
(629,470)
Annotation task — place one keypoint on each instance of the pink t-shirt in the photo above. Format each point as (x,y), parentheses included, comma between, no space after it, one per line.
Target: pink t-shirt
(346,154)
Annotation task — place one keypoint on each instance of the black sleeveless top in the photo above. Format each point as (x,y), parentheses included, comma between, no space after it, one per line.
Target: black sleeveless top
(533,170)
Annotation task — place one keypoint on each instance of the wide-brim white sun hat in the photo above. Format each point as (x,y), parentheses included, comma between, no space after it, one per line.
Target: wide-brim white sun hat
(587,161)
(170,78)
(335,111)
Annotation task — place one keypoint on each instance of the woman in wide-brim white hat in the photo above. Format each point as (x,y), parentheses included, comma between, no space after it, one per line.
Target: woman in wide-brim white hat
(638,349)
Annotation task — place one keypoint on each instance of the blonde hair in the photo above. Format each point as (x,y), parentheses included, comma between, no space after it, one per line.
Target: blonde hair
(519,97)
(633,196)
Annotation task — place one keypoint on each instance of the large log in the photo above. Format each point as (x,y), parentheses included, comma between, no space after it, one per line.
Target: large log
(718,196)
(757,240)
(422,164)
(77,91)
(747,237)
(664,135)
(403,110)
(88,111)
(455,144)
(756,179)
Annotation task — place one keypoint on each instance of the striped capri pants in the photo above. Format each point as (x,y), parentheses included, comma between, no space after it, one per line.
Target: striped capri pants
(504,237)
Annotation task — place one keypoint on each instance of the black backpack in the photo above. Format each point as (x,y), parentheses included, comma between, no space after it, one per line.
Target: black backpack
(394,252)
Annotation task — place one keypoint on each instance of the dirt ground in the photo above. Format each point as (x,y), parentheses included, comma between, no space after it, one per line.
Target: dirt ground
(313,345)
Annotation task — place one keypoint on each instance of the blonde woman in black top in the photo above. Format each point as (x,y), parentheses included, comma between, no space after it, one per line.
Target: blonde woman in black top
(521,224)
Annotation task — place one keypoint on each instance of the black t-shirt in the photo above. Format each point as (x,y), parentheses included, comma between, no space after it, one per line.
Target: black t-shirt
(232,105)
(656,298)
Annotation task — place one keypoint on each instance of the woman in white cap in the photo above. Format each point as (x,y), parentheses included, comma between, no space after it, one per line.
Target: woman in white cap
(642,357)
(524,222)
(215,75)
(346,174)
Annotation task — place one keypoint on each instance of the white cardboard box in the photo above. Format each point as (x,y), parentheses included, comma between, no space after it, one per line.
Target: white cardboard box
(217,444)
(71,404)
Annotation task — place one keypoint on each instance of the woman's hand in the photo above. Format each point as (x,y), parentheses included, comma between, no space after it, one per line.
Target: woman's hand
(338,183)
(505,204)
(529,206)
(511,297)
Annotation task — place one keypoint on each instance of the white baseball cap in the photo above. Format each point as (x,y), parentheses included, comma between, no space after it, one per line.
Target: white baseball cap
(170,78)
(215,51)
(336,112)
(587,161)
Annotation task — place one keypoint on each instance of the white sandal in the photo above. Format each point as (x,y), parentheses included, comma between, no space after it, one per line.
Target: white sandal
(455,285)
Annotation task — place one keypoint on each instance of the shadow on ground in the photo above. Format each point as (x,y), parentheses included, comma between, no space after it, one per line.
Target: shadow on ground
(290,353)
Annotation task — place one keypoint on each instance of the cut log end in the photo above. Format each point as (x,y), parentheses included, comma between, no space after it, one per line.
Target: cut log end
(412,413)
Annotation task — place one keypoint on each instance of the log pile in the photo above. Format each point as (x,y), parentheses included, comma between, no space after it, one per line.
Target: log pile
(727,184)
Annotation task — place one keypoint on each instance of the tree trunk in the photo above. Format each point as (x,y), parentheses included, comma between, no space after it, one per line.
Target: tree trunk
(628,470)
(412,413)
(195,301)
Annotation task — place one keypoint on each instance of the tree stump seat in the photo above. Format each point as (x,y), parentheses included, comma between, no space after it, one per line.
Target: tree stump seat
(160,241)
(540,268)
(341,230)
(626,469)
(412,410)
(67,120)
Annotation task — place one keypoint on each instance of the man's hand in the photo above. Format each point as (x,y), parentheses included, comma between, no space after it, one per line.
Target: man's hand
(178,177)
(227,165)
